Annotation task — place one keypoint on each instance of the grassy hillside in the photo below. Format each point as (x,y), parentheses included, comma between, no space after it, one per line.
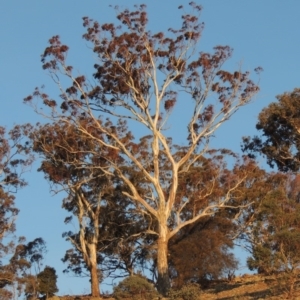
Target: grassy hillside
(246,287)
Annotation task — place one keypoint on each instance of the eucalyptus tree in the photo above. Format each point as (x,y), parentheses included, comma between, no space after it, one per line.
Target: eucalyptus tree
(14,161)
(276,233)
(279,128)
(47,282)
(141,84)
(106,221)
(27,261)
(74,164)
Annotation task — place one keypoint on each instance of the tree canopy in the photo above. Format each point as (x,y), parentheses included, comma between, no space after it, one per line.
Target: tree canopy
(15,159)
(139,81)
(279,124)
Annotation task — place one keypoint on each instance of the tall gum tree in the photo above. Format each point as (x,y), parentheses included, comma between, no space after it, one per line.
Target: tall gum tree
(141,81)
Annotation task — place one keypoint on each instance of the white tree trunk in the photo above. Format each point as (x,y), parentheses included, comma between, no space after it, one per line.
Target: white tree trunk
(163,280)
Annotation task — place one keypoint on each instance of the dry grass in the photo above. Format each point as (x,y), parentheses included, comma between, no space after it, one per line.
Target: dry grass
(246,287)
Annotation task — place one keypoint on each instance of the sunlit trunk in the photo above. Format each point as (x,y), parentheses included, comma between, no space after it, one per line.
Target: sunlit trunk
(95,290)
(163,280)
(130,271)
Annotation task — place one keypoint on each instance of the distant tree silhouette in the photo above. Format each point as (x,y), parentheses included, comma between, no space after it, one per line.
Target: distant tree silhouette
(47,282)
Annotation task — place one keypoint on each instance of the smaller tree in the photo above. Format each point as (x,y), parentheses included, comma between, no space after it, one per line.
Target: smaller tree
(71,163)
(27,262)
(276,247)
(108,225)
(47,282)
(14,161)
(279,124)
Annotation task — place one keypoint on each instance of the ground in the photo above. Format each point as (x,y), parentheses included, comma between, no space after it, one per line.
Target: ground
(246,287)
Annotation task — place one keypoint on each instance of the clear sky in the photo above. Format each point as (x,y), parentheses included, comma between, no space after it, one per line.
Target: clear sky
(262,33)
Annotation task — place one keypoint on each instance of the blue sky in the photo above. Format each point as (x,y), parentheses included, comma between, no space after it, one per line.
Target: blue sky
(262,33)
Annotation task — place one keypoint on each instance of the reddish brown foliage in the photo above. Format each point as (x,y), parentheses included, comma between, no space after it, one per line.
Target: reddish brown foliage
(142,78)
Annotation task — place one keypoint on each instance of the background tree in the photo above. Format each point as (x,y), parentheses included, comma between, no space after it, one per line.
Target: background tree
(125,245)
(108,228)
(279,124)
(254,190)
(27,262)
(276,230)
(74,164)
(276,237)
(203,252)
(141,78)
(14,161)
(47,282)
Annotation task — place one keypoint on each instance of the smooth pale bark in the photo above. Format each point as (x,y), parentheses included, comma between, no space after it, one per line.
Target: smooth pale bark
(88,248)
(90,258)
(95,291)
(163,280)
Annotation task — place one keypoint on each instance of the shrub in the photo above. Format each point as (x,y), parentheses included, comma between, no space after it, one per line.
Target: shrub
(190,291)
(135,287)
(47,282)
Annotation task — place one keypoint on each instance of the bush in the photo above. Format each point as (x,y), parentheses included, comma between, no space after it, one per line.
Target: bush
(47,282)
(190,291)
(135,287)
